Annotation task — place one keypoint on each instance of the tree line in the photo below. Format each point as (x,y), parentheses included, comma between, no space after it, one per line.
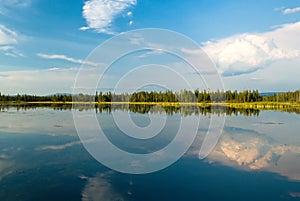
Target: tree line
(34,98)
(166,96)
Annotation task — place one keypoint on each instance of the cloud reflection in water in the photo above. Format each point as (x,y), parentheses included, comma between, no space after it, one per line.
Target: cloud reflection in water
(250,150)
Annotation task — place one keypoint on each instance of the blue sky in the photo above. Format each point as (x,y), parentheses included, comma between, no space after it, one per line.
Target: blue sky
(254,44)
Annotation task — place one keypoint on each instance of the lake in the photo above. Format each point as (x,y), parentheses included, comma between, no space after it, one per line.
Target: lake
(257,157)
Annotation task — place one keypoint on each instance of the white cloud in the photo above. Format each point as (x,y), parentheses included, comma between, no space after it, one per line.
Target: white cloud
(99,14)
(6,47)
(66,58)
(136,39)
(247,53)
(281,75)
(291,10)
(8,41)
(84,28)
(14,53)
(152,52)
(7,36)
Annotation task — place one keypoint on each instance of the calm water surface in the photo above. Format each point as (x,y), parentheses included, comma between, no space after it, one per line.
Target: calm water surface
(256,158)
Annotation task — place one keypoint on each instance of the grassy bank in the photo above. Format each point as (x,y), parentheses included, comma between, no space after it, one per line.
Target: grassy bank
(247,105)
(265,105)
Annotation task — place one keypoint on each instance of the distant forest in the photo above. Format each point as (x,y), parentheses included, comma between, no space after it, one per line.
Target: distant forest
(167,96)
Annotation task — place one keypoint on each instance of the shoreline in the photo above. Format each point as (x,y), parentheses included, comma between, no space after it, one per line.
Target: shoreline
(246,105)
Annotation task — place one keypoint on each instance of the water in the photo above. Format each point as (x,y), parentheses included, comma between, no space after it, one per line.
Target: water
(256,158)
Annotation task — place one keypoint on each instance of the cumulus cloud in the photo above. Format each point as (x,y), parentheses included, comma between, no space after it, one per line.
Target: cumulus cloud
(100,14)
(247,53)
(291,10)
(66,58)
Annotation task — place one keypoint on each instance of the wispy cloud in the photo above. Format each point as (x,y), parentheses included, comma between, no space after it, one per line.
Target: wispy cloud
(7,36)
(8,41)
(247,53)
(6,48)
(16,3)
(66,58)
(14,53)
(7,5)
(100,14)
(291,10)
(152,52)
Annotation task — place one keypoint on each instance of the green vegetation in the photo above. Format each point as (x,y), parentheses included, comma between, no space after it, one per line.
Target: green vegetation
(33,98)
(231,99)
